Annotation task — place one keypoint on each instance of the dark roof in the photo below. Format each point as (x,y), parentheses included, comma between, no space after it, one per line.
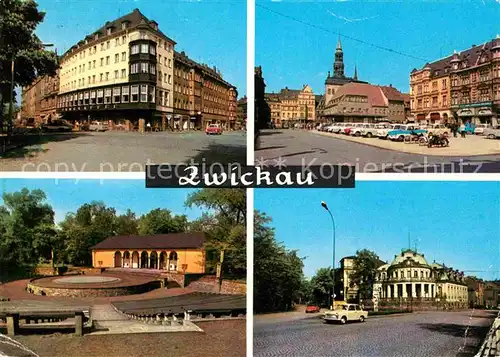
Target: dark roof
(160,241)
(471,55)
(134,19)
(392,93)
(182,57)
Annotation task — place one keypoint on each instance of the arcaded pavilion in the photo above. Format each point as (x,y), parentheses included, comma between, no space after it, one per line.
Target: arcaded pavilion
(175,252)
(409,276)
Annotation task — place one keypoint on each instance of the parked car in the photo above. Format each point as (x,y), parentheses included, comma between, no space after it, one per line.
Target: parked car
(339,127)
(492,133)
(57,126)
(352,127)
(312,309)
(98,126)
(438,129)
(373,129)
(403,131)
(345,313)
(213,129)
(383,132)
(359,130)
(479,130)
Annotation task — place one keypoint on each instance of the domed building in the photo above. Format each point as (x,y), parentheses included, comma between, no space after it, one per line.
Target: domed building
(410,277)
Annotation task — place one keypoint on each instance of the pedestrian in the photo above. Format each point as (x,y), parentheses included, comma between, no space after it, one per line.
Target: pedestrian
(454,129)
(148,125)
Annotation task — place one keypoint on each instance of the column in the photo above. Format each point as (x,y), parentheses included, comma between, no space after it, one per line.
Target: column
(140,261)
(158,260)
(405,290)
(79,323)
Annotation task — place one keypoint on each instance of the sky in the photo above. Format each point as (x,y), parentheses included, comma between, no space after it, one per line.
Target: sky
(293,53)
(209,31)
(67,196)
(455,223)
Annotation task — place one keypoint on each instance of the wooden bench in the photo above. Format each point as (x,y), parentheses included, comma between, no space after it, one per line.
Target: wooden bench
(13,319)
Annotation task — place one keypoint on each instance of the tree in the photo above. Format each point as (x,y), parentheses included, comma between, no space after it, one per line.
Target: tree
(321,286)
(278,277)
(27,228)
(161,221)
(91,224)
(364,272)
(19,43)
(127,224)
(224,224)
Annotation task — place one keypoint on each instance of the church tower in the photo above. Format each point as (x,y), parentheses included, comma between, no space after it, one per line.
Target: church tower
(338,65)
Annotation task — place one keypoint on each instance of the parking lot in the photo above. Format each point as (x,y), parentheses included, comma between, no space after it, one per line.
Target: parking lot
(123,151)
(458,146)
(302,147)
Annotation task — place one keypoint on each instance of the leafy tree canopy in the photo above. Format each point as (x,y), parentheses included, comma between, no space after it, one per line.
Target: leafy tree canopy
(224,223)
(278,277)
(364,272)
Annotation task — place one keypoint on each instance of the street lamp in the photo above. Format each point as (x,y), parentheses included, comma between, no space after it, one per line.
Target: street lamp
(11,104)
(324,205)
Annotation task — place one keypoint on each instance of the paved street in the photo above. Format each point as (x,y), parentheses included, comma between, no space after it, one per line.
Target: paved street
(425,334)
(124,152)
(300,147)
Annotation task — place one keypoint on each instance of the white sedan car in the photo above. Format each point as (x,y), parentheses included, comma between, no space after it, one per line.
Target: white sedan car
(479,130)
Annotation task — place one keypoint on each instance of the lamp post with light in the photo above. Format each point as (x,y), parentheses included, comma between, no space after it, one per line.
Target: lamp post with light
(11,103)
(324,205)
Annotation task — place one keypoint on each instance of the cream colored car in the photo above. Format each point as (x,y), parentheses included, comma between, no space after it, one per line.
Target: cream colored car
(344,313)
(438,129)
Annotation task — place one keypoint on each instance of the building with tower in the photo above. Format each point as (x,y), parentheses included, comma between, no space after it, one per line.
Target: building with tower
(338,79)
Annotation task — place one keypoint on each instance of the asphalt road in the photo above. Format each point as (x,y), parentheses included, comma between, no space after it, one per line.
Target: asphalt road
(425,334)
(124,152)
(298,147)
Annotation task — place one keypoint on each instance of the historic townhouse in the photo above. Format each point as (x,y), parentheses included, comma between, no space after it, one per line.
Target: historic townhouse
(201,96)
(464,87)
(365,103)
(114,74)
(291,106)
(31,103)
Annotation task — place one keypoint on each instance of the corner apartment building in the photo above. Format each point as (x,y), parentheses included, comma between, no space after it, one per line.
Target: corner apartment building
(463,87)
(114,74)
(292,106)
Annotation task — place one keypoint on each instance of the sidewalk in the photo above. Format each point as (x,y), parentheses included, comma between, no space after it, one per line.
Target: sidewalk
(471,145)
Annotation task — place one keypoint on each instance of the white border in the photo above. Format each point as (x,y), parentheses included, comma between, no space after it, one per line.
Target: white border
(250,80)
(250,161)
(427,177)
(74,175)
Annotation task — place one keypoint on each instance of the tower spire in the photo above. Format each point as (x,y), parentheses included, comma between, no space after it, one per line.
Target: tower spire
(355,72)
(338,65)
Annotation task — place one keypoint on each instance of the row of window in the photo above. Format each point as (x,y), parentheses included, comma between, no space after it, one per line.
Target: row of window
(104,46)
(167,61)
(143,48)
(124,94)
(143,67)
(103,77)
